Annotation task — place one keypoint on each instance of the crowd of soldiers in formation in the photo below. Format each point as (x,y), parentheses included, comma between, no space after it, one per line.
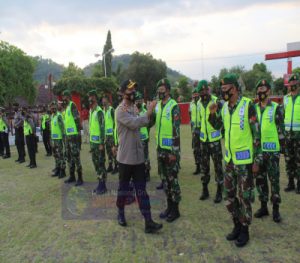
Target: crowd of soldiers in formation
(255,134)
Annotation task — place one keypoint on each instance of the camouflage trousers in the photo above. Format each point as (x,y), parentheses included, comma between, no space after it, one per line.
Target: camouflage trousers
(98,158)
(196,145)
(238,189)
(73,153)
(213,150)
(292,158)
(269,168)
(58,153)
(146,154)
(169,175)
(109,143)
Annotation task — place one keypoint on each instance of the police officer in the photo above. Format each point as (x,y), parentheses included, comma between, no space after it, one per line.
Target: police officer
(4,133)
(19,133)
(131,156)
(45,131)
(242,154)
(210,143)
(292,128)
(194,113)
(167,122)
(72,131)
(270,116)
(97,140)
(57,137)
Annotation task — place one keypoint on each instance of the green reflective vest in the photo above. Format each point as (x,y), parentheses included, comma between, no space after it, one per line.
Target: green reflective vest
(238,135)
(45,118)
(70,125)
(27,128)
(144,130)
(268,129)
(3,126)
(56,132)
(109,122)
(292,113)
(164,124)
(207,132)
(195,114)
(95,131)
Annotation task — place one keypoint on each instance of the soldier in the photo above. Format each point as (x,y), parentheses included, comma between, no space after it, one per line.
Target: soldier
(270,116)
(4,133)
(109,115)
(97,140)
(45,131)
(57,136)
(19,133)
(210,143)
(144,131)
(72,131)
(131,156)
(30,137)
(194,113)
(242,148)
(292,128)
(167,122)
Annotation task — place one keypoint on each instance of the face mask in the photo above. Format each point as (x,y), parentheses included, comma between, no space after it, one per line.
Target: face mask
(161,95)
(204,97)
(91,101)
(294,87)
(226,95)
(131,96)
(65,102)
(53,110)
(262,95)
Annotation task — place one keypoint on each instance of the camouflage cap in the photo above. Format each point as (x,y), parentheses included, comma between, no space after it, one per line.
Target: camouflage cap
(163,82)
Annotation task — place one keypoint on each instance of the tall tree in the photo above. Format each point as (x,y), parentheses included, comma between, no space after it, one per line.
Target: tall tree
(72,71)
(184,89)
(108,56)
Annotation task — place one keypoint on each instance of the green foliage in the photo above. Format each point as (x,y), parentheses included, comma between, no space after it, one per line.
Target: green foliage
(16,74)
(97,71)
(296,70)
(108,56)
(146,71)
(184,89)
(72,71)
(279,87)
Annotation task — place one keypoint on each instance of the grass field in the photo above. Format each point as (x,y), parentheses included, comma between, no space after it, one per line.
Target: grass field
(34,229)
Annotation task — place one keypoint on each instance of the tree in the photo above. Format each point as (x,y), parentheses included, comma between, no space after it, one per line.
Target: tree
(279,87)
(108,56)
(16,74)
(97,71)
(296,70)
(184,89)
(72,71)
(146,71)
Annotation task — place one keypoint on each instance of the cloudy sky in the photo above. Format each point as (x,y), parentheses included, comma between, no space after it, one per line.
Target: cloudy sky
(197,38)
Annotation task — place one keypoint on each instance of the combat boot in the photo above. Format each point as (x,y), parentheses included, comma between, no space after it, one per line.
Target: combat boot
(218,197)
(71,178)
(109,168)
(262,211)
(276,214)
(174,212)
(62,173)
(291,185)
(101,188)
(151,226)
(243,238)
(115,169)
(298,187)
(165,213)
(121,218)
(56,172)
(235,231)
(79,181)
(197,169)
(205,193)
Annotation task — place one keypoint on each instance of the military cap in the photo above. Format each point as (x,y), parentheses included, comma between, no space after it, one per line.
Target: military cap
(263,82)
(294,77)
(66,93)
(202,84)
(92,92)
(164,82)
(128,84)
(230,78)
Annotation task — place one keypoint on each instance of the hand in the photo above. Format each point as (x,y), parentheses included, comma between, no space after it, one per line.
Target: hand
(255,168)
(151,107)
(101,147)
(213,108)
(172,158)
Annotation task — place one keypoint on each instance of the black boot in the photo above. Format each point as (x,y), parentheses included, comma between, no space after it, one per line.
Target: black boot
(79,181)
(262,211)
(116,169)
(152,227)
(160,186)
(165,213)
(121,218)
(6,156)
(62,173)
(197,169)
(55,172)
(218,197)
(298,187)
(71,178)
(101,188)
(291,185)
(110,168)
(205,193)
(276,214)
(174,212)
(235,231)
(243,238)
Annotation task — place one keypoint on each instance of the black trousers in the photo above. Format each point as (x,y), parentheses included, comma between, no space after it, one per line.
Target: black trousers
(46,141)
(5,143)
(138,176)
(30,142)
(20,143)
(1,146)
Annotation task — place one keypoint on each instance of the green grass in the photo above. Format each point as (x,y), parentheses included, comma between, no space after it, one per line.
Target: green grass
(32,228)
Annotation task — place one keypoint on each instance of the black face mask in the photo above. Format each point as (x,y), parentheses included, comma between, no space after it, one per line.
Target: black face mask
(262,95)
(161,95)
(91,101)
(226,95)
(131,97)
(204,97)
(294,87)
